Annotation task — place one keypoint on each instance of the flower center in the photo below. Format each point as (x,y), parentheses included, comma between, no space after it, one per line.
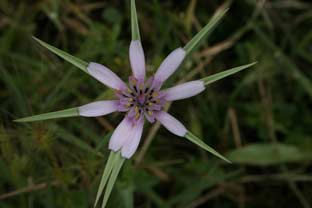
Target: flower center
(141,99)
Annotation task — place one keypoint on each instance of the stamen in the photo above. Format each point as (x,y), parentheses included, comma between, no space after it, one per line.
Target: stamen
(137,115)
(154,94)
(136,109)
(141,99)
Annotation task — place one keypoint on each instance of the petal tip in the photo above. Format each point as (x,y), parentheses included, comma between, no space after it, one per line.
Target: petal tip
(137,59)
(170,64)
(171,123)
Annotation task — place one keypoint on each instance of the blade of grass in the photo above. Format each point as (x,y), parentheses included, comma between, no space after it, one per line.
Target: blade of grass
(199,37)
(210,79)
(57,93)
(117,166)
(286,61)
(190,15)
(135,32)
(106,173)
(14,89)
(66,136)
(71,59)
(57,114)
(103,141)
(191,137)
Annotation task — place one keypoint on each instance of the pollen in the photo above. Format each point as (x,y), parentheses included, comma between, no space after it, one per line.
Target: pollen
(137,116)
(155,94)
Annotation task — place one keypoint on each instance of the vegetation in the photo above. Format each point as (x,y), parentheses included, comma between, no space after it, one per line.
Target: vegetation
(260,118)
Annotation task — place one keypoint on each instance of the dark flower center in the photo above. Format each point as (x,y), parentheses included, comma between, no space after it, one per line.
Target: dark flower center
(141,99)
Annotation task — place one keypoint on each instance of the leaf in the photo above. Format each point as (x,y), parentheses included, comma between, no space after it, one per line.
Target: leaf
(190,15)
(71,59)
(135,32)
(191,137)
(210,79)
(57,114)
(199,37)
(117,166)
(106,173)
(268,154)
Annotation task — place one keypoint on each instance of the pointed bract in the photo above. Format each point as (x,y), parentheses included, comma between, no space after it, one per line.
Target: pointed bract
(106,174)
(45,116)
(66,56)
(191,137)
(203,33)
(135,32)
(112,179)
(185,90)
(215,77)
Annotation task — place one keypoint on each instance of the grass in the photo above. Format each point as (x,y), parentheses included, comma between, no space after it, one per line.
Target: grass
(259,118)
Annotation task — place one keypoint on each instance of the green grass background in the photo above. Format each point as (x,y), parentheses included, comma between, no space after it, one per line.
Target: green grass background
(261,118)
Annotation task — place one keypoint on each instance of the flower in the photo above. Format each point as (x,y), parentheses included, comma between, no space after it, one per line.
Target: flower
(141,98)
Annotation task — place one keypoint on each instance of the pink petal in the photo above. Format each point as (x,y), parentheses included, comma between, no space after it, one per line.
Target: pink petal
(137,59)
(184,90)
(98,108)
(106,76)
(131,146)
(120,135)
(170,123)
(169,65)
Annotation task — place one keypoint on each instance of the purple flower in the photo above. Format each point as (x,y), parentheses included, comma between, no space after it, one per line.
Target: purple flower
(141,98)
